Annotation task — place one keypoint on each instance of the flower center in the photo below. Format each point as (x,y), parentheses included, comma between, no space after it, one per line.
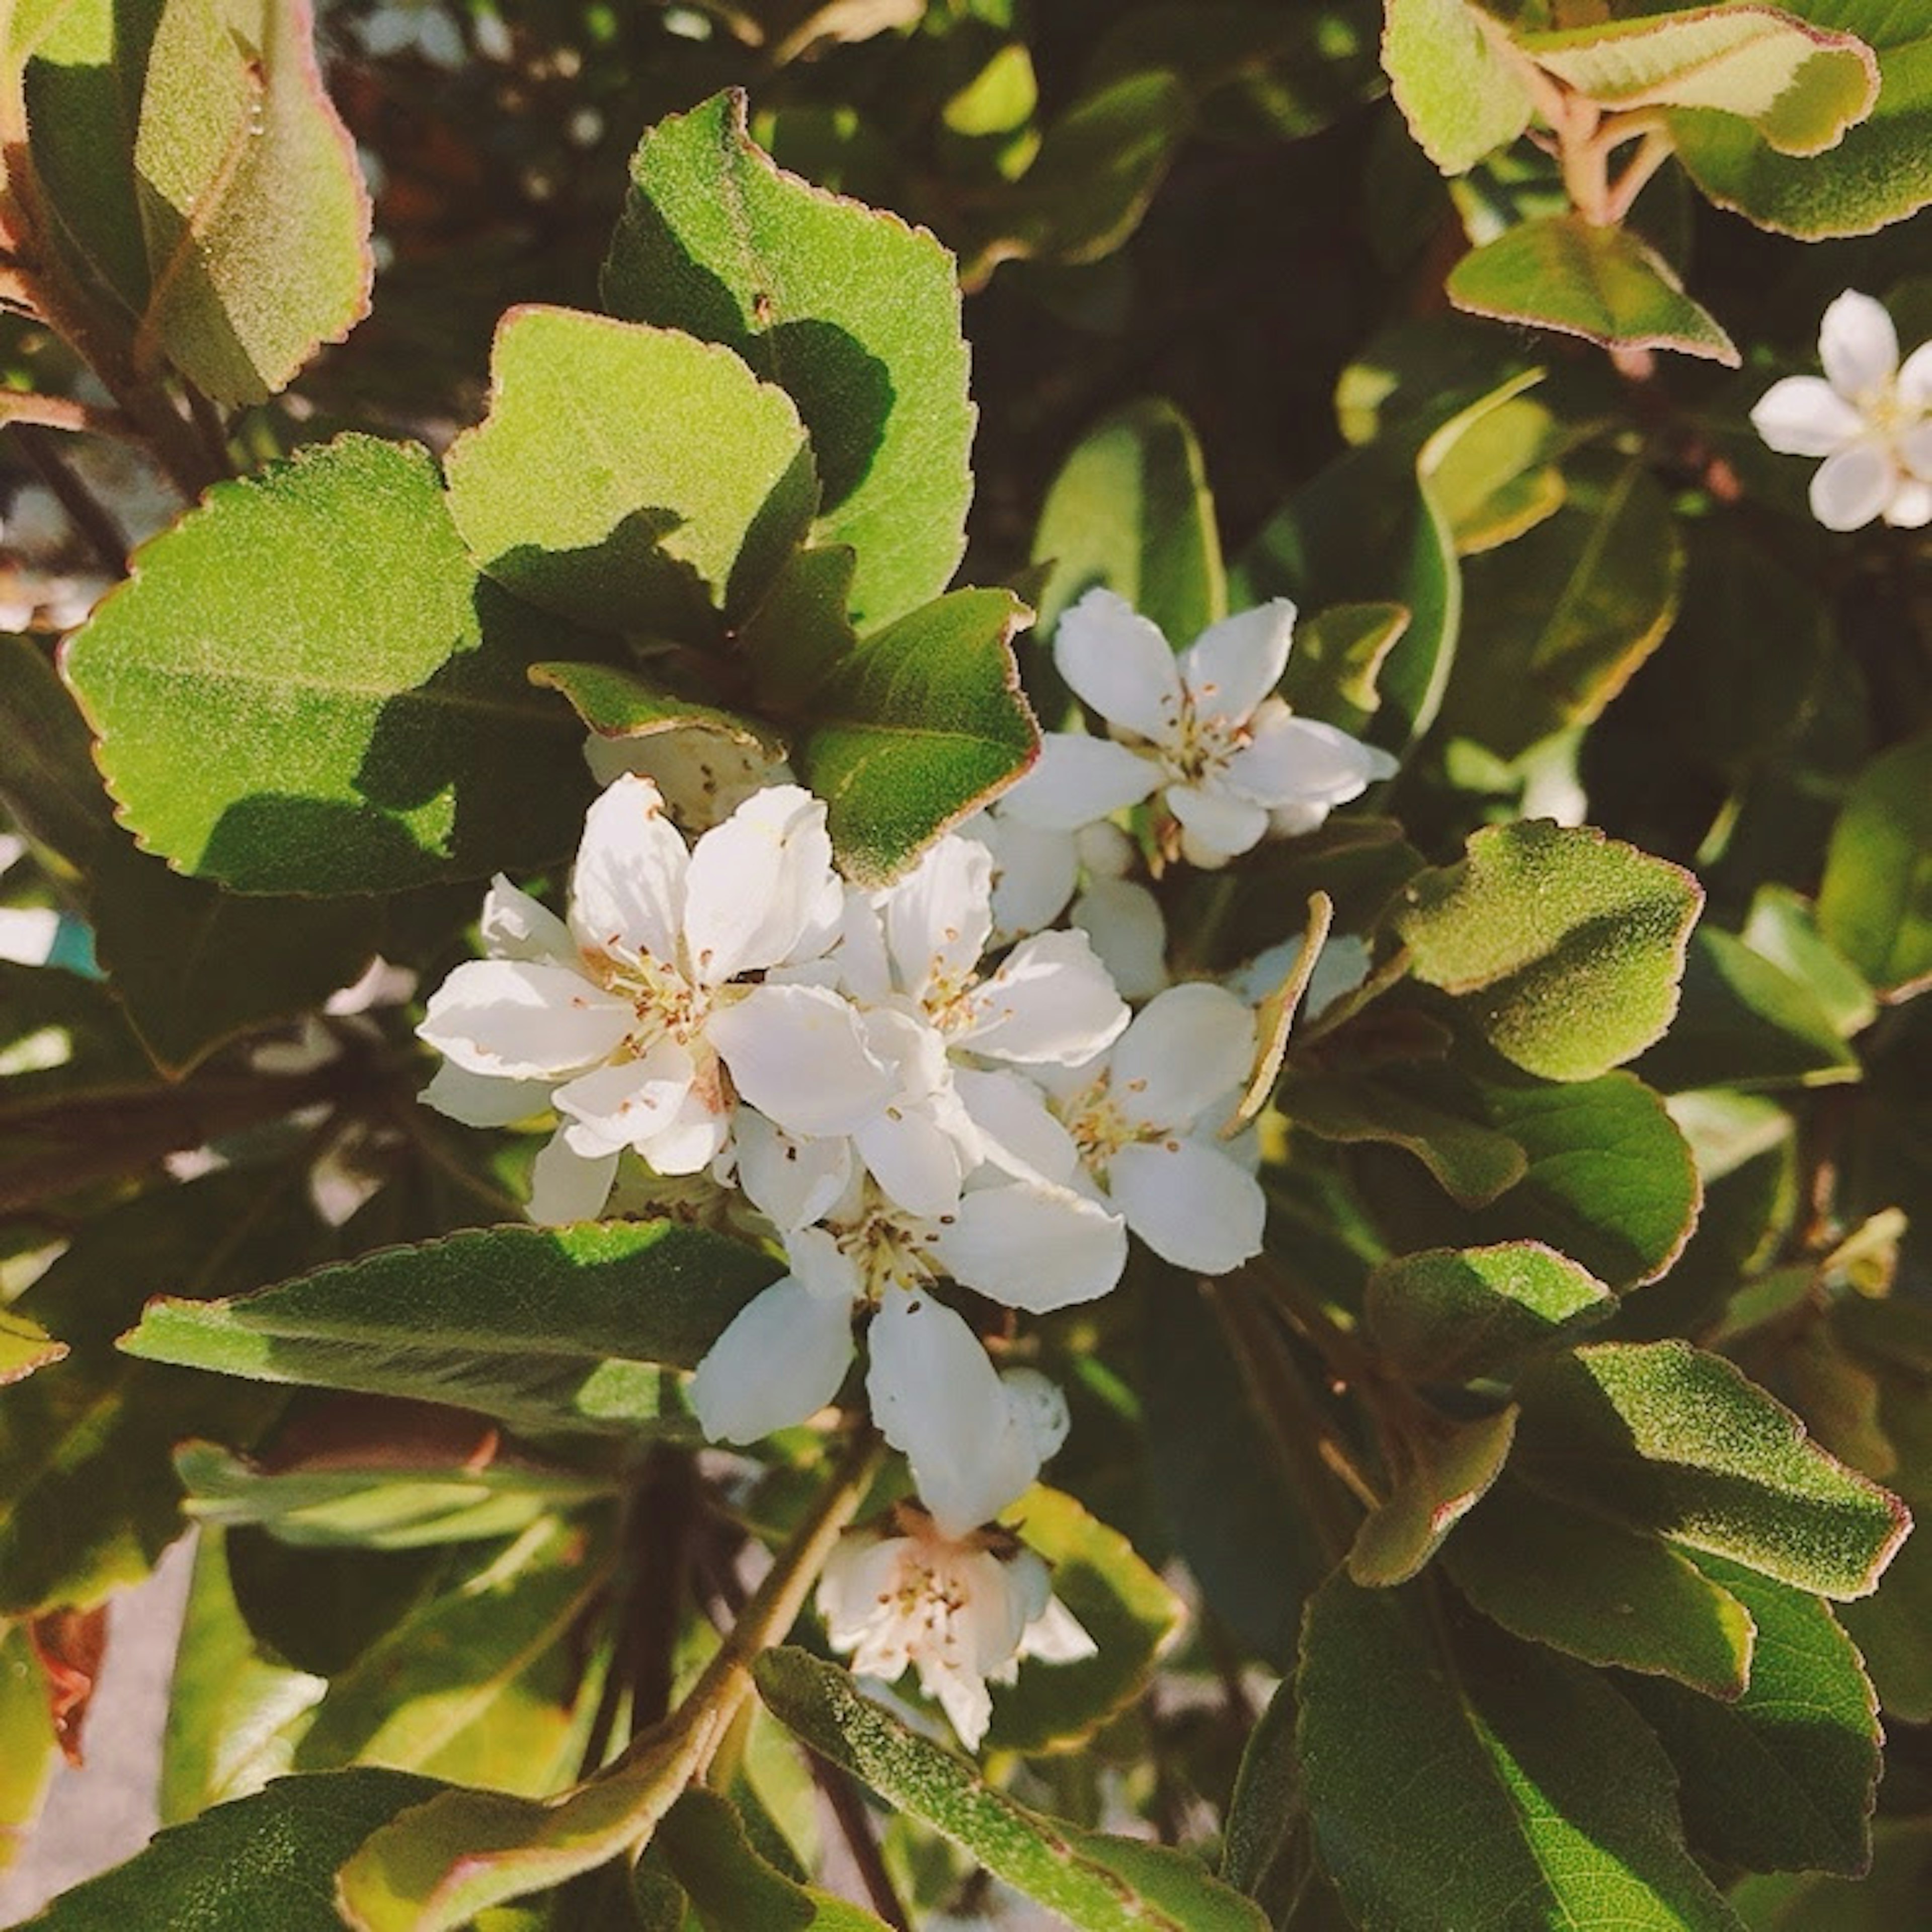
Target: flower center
(888,1250)
(1099,1126)
(1202,745)
(668,1005)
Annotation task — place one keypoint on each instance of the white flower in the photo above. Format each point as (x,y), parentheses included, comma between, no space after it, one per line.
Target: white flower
(629,1019)
(1141,1126)
(1870,420)
(1230,761)
(1341,966)
(398,25)
(962,1611)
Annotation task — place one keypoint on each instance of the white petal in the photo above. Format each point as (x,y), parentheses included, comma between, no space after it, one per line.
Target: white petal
(1217,825)
(1077,779)
(962,1695)
(1910,508)
(936,1397)
(515,926)
(1118,662)
(627,892)
(1051,1000)
(564,1187)
(1123,920)
(1804,416)
(1915,449)
(523,1020)
(780,1360)
(793,1182)
(939,915)
(862,1569)
(1186,1051)
(480,1100)
(1914,379)
(822,1267)
(1040,1407)
(1858,345)
(1852,487)
(1190,1204)
(1301,760)
(626,1104)
(757,883)
(1104,851)
(1057,1636)
(1034,871)
(1017,1133)
(694,1135)
(1029,1244)
(1343,966)
(798,1053)
(864,967)
(1234,664)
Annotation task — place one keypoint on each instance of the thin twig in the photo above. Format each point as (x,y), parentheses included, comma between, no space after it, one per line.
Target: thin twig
(855,1827)
(212,430)
(103,534)
(64,412)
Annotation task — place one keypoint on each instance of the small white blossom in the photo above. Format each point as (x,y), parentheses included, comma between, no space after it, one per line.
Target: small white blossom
(962,1611)
(1230,761)
(424,26)
(634,1021)
(1871,420)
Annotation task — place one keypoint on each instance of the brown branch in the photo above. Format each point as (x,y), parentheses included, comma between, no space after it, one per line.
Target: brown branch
(103,535)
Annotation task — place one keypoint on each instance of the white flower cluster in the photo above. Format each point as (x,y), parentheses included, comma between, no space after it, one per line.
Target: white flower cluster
(1869,418)
(928,1084)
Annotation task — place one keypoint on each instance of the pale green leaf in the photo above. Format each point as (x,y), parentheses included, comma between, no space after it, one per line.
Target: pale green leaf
(1130,509)
(28,1749)
(1448,1475)
(849,309)
(1589,1588)
(25,1346)
(305,688)
(1783,1778)
(1605,284)
(1337,661)
(1096,1883)
(1783,927)
(1490,1784)
(731,1888)
(551,1327)
(1449,1314)
(1563,947)
(1668,1438)
(1875,905)
(630,478)
(1454,80)
(919,726)
(260,1861)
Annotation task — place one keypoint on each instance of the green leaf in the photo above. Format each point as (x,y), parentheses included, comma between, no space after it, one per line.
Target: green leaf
(195,967)
(1130,509)
(194,161)
(1605,284)
(1890,1896)
(259,1861)
(1095,1882)
(386,1504)
(1569,1579)
(1490,1783)
(1449,1315)
(91,1495)
(1337,660)
(304,688)
(731,1888)
(1563,947)
(1666,1437)
(233,1714)
(49,784)
(25,1346)
(1875,905)
(1454,80)
(922,724)
(557,1328)
(1744,1023)
(1783,927)
(65,1043)
(477,1685)
(852,312)
(615,703)
(1783,1778)
(1121,1604)
(1264,1832)
(1449,1474)
(1799,89)
(1874,176)
(1567,613)
(28,1750)
(629,478)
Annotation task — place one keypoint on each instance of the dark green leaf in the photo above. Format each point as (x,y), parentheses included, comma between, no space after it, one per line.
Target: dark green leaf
(552,1327)
(1668,1438)
(1096,1883)
(304,688)
(1491,1783)
(1564,947)
(1447,1476)
(630,478)
(49,784)
(731,1888)
(1337,661)
(1875,905)
(853,312)
(1892,1895)
(1783,1778)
